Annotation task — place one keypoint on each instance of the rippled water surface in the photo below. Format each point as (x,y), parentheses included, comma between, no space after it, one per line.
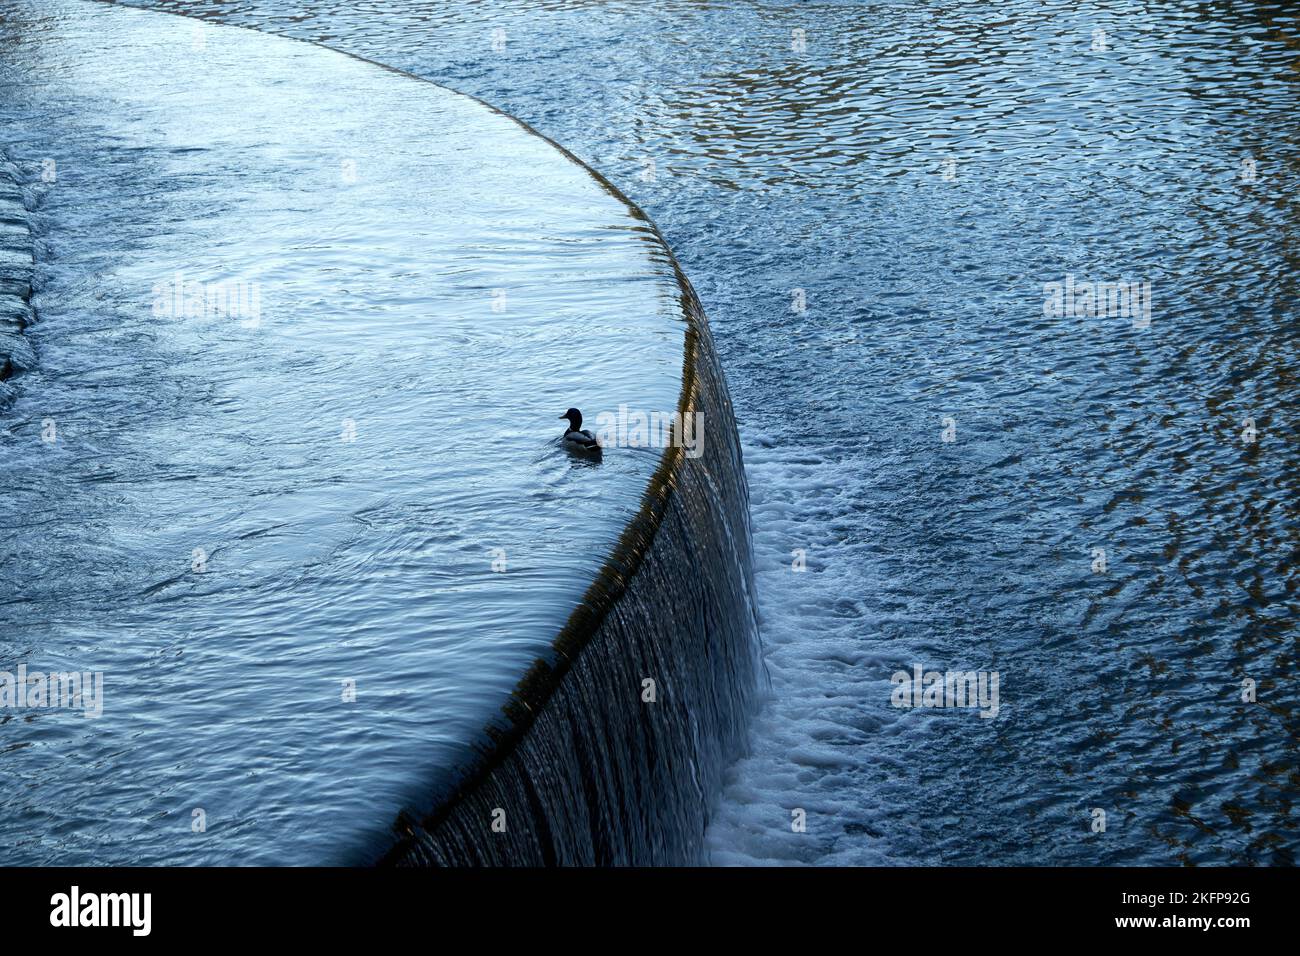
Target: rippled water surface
(920,171)
(239,515)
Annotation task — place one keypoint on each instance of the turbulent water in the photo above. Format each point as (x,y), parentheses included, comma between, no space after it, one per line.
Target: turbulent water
(921,172)
(314,528)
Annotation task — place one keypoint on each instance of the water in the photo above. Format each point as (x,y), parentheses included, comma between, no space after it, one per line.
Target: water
(15,273)
(617,744)
(234,512)
(827,170)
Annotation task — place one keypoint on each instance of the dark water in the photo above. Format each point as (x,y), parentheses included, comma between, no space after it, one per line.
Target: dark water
(234,513)
(827,170)
(921,171)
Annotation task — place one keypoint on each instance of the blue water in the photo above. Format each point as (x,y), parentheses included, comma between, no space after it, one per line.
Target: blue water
(921,171)
(828,170)
(311,542)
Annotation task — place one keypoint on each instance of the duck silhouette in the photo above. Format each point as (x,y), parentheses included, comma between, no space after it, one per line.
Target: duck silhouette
(576,438)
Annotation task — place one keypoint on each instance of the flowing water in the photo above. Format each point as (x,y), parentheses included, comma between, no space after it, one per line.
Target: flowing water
(872,199)
(312,529)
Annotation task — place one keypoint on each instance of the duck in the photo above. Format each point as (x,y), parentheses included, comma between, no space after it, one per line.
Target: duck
(576,438)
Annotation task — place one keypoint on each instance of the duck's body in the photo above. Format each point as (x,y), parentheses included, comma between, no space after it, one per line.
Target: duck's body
(577,438)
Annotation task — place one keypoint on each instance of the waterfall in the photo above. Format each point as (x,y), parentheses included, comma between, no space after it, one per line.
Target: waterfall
(581,769)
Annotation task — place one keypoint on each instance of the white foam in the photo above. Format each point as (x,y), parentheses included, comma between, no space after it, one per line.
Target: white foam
(811,742)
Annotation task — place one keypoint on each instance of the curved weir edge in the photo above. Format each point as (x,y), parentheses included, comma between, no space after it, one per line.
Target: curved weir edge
(582,770)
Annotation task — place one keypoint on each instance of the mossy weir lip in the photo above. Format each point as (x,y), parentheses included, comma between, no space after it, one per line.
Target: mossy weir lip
(248,556)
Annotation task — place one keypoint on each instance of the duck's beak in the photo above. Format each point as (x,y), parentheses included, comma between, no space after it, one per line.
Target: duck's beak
(564,416)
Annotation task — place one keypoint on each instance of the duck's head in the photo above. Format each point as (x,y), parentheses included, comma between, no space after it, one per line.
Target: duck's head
(575,418)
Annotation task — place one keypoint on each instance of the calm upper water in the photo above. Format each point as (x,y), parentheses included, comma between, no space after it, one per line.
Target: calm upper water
(871,199)
(243,513)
